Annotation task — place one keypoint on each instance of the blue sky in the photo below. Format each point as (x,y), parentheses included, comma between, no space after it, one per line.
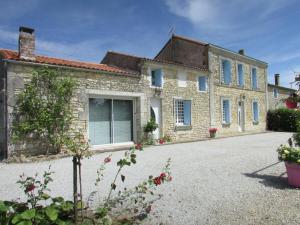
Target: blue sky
(85,30)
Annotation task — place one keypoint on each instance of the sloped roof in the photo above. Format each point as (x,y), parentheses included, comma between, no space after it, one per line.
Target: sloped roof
(13,55)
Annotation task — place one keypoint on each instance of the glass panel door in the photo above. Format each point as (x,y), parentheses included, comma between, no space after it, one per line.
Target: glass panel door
(100,121)
(122,121)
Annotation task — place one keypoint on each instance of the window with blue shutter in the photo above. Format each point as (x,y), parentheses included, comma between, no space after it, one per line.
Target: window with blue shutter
(187,112)
(254,78)
(156,78)
(183,112)
(226,71)
(240,75)
(202,83)
(275,92)
(255,112)
(226,111)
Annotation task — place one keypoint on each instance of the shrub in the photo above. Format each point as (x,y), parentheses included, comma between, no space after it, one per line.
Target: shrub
(283,120)
(150,126)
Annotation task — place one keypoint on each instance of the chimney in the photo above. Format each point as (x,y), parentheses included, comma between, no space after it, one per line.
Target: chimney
(277,79)
(26,43)
(242,52)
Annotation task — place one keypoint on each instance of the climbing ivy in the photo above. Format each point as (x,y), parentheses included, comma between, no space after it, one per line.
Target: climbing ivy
(43,109)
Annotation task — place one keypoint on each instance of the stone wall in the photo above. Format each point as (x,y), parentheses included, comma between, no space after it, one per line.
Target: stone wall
(91,83)
(275,103)
(200,116)
(236,93)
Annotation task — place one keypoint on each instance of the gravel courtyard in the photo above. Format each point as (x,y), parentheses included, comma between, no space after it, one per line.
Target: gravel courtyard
(235,180)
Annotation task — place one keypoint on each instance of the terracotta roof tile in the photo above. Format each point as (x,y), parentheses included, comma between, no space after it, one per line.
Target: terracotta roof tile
(13,55)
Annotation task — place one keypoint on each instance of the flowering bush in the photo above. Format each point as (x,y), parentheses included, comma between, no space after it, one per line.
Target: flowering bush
(128,205)
(213,130)
(289,154)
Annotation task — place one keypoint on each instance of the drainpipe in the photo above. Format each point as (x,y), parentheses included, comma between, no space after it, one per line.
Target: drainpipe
(4,153)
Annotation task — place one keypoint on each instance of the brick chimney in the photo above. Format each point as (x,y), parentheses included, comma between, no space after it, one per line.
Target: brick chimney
(242,52)
(26,43)
(277,79)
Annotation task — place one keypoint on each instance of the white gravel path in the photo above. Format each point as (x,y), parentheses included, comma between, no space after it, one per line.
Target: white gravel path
(214,181)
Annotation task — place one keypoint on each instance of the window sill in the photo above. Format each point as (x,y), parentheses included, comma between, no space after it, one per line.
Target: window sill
(156,87)
(225,124)
(204,92)
(183,127)
(255,122)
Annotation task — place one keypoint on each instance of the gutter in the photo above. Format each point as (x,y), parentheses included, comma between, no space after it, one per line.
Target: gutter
(70,67)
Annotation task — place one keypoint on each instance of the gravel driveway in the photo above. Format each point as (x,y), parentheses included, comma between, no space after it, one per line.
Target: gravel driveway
(235,180)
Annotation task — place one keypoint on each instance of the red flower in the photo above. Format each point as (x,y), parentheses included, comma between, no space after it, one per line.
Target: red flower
(157,181)
(213,130)
(107,160)
(29,188)
(139,146)
(162,176)
(161,141)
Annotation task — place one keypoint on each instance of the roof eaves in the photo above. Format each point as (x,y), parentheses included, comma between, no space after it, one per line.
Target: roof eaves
(245,56)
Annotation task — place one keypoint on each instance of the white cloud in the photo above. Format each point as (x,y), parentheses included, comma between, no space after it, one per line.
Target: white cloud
(230,16)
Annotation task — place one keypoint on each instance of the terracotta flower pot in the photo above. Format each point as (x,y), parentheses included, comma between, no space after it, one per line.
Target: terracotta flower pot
(212,134)
(293,172)
(291,105)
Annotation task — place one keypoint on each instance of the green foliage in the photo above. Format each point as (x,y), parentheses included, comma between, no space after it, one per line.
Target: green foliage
(43,108)
(289,154)
(150,126)
(31,212)
(283,120)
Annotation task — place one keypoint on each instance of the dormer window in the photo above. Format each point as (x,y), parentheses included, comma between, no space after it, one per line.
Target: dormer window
(156,78)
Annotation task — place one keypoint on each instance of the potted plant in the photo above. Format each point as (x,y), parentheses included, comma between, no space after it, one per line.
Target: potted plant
(291,156)
(148,129)
(291,101)
(212,132)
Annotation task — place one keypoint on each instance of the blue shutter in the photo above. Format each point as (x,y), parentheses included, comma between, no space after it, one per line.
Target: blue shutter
(187,112)
(241,75)
(226,111)
(153,77)
(202,83)
(227,71)
(254,78)
(255,112)
(158,78)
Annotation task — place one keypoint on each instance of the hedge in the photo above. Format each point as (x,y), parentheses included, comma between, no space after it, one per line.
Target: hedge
(283,120)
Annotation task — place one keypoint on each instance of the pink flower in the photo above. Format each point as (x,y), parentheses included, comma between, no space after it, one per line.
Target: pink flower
(162,176)
(107,160)
(139,146)
(161,141)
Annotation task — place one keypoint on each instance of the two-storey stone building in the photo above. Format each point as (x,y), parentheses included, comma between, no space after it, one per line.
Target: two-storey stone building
(189,87)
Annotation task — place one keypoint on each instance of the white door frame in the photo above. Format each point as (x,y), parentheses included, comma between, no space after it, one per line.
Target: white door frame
(155,104)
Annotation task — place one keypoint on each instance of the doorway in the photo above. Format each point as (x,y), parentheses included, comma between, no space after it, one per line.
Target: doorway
(241,116)
(155,113)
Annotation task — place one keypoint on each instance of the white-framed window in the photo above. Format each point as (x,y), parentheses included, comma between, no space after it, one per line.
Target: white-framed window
(156,78)
(182,112)
(182,79)
(255,111)
(202,83)
(275,93)
(240,75)
(225,71)
(254,81)
(226,110)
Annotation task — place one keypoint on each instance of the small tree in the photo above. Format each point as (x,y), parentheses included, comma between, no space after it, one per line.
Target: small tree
(43,109)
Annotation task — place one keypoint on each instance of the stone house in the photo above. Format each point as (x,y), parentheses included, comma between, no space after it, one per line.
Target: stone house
(189,87)
(277,94)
